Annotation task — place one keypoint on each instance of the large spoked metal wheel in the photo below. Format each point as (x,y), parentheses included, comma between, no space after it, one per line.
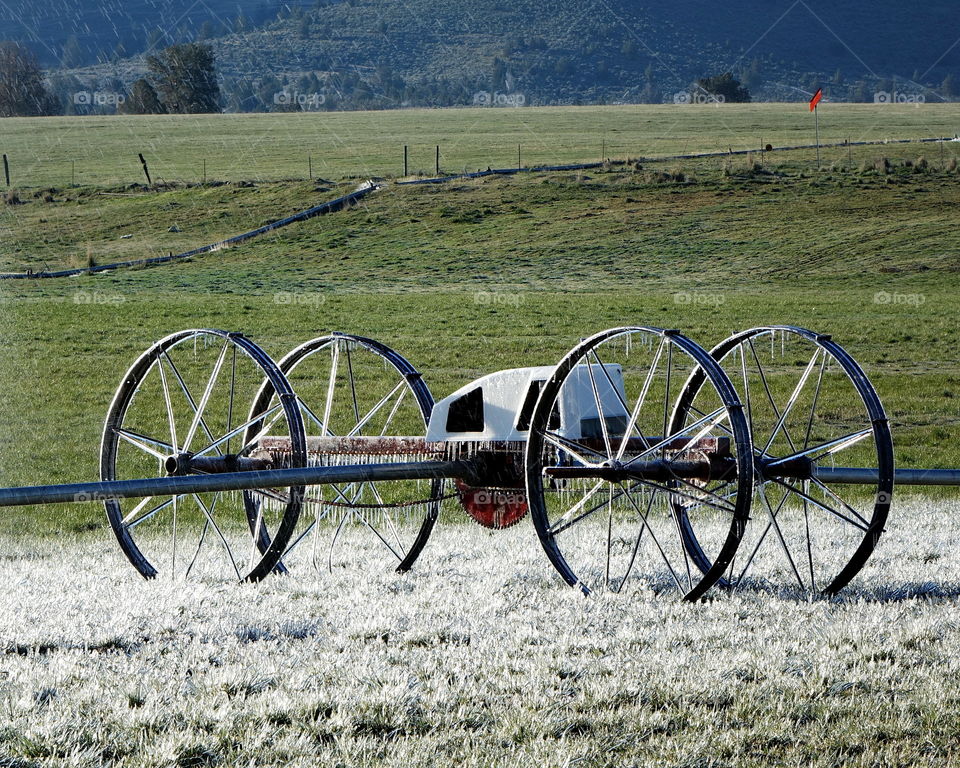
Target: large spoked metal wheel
(811,409)
(362,403)
(182,409)
(613,474)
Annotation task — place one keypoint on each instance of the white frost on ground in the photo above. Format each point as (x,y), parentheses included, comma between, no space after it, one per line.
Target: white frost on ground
(480,656)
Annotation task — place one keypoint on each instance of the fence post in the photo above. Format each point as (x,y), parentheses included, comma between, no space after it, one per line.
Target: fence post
(438,160)
(404,159)
(6,169)
(146,171)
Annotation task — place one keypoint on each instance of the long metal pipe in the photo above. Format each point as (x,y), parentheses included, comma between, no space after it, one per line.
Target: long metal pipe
(869,476)
(232,481)
(414,470)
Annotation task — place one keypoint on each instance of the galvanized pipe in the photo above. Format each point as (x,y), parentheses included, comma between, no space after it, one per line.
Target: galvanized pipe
(232,481)
(870,476)
(417,470)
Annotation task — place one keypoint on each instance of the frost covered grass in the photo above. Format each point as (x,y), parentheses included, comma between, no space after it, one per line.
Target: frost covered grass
(480,656)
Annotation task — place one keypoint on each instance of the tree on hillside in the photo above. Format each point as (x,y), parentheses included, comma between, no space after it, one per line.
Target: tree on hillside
(185,78)
(22,90)
(725,85)
(143,100)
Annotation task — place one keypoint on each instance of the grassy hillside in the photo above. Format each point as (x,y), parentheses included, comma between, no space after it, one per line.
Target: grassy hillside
(377,54)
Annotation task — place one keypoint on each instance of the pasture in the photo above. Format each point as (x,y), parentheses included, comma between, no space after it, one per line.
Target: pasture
(480,655)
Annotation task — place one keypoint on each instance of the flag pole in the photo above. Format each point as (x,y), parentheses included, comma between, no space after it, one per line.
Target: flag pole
(814,107)
(816,113)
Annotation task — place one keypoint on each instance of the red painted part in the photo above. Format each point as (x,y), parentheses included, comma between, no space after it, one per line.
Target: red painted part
(495,508)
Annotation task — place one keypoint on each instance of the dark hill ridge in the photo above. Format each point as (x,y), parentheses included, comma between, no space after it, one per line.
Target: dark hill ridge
(378,53)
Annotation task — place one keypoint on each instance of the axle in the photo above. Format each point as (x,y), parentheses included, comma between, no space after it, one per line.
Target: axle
(231,473)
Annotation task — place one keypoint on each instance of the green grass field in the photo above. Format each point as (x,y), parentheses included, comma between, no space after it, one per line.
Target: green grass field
(103,150)
(475,276)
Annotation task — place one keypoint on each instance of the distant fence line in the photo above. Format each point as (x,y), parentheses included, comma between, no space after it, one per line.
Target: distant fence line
(368,187)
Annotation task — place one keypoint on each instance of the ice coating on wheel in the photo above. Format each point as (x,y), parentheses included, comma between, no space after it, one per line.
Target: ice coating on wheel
(361,403)
(810,410)
(609,470)
(184,407)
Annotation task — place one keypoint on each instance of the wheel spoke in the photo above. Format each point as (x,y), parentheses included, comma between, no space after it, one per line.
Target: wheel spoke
(826,449)
(144,443)
(714,420)
(833,495)
(793,399)
(803,495)
(211,382)
(600,416)
(233,385)
(816,399)
(746,390)
(393,412)
(248,446)
(780,538)
(331,385)
(760,540)
(361,423)
(132,521)
(208,513)
(301,537)
(766,388)
(353,387)
(196,553)
(324,432)
(663,554)
(701,501)
(169,405)
(572,447)
(186,393)
(635,414)
(666,397)
(556,528)
(237,430)
(636,545)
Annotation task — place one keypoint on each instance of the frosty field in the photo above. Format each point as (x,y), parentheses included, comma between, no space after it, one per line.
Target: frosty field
(480,656)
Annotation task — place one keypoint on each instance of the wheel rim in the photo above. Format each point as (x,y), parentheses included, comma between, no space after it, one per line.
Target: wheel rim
(352,386)
(805,397)
(603,533)
(184,399)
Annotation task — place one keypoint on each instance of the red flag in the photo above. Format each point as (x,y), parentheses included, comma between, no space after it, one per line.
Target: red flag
(816,99)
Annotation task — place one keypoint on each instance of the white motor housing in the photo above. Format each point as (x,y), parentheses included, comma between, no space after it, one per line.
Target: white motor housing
(499,406)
